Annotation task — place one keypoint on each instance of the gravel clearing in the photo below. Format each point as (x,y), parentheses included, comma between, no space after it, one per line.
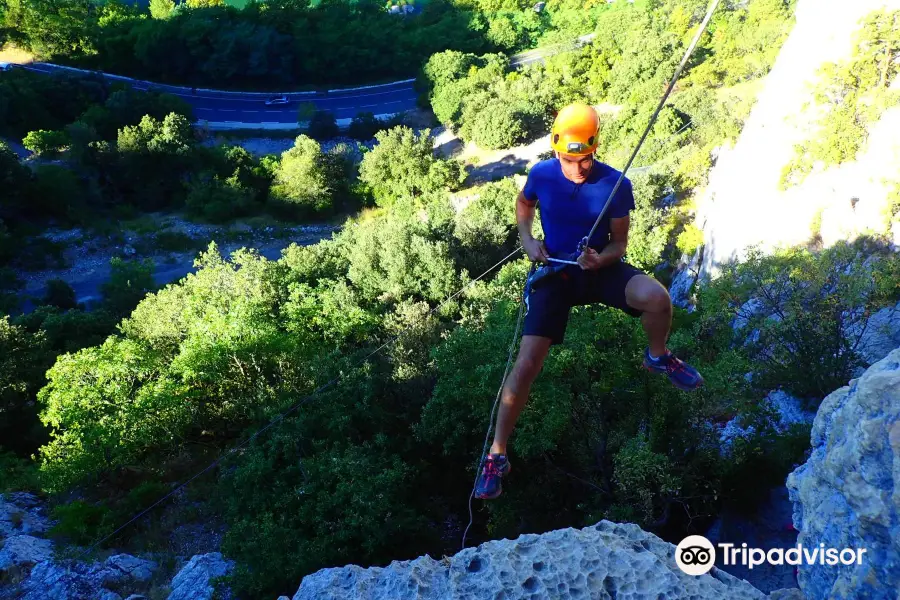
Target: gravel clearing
(88,257)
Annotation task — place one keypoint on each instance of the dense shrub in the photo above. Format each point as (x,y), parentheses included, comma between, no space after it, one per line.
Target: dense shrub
(218,200)
(59,294)
(800,316)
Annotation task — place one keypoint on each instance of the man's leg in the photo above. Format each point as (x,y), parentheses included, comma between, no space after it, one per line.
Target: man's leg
(649,296)
(644,293)
(532,353)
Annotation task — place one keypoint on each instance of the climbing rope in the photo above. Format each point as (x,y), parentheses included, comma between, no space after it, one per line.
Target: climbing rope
(584,242)
(292,409)
(659,107)
(512,348)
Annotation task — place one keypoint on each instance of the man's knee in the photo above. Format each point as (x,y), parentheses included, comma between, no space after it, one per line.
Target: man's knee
(531,357)
(647,294)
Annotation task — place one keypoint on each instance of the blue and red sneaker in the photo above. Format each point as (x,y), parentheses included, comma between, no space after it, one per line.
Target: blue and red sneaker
(493,467)
(682,375)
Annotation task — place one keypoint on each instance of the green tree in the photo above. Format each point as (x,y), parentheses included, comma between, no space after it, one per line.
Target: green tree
(24,356)
(15,180)
(161,9)
(58,192)
(399,257)
(364,126)
(59,294)
(152,158)
(402,165)
(801,316)
(46,142)
(300,183)
(485,228)
(57,27)
(502,32)
(218,200)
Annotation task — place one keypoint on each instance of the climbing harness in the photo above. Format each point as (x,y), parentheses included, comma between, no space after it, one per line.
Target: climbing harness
(541,275)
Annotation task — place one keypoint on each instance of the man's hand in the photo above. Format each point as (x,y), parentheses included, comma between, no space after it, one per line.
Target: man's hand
(536,250)
(590,260)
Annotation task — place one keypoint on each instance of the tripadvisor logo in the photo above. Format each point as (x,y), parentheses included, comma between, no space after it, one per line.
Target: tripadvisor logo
(696,555)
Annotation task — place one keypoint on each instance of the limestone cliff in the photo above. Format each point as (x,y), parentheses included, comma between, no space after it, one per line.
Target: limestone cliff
(744,205)
(848,493)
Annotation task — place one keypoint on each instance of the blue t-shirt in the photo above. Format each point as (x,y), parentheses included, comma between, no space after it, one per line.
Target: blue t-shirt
(568,210)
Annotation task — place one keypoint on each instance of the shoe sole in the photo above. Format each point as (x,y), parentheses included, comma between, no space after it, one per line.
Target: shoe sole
(482,497)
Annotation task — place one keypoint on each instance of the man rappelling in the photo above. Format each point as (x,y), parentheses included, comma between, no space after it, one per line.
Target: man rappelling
(573,190)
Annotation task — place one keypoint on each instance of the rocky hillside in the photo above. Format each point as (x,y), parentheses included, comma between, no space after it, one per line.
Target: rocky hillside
(745,204)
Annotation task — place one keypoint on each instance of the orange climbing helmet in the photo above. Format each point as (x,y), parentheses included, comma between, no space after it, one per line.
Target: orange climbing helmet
(575,130)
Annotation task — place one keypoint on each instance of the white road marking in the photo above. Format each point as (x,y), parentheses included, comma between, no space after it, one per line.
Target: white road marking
(317,98)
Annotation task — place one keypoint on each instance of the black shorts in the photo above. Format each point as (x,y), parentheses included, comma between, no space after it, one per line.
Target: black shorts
(547,308)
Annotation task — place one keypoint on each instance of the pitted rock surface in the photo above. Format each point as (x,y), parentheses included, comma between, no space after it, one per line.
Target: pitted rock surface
(605,560)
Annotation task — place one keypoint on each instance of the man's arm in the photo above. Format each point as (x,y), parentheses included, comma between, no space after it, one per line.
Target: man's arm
(614,250)
(525,217)
(524,221)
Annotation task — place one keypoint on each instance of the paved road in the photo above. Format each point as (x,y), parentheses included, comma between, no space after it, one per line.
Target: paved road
(249,107)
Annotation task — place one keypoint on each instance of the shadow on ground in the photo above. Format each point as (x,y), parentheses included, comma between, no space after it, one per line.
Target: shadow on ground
(498,169)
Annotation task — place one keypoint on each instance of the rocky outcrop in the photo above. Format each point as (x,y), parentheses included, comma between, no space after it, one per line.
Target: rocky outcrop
(848,493)
(605,560)
(123,567)
(24,551)
(73,581)
(28,570)
(194,581)
(22,513)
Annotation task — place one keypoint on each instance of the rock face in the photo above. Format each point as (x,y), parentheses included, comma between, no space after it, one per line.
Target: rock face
(606,560)
(848,493)
(881,334)
(122,567)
